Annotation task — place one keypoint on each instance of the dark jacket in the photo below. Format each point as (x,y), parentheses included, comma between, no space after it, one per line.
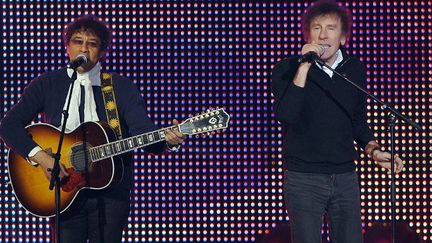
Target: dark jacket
(321,120)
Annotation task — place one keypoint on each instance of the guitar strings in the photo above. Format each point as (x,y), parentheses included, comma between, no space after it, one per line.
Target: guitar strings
(80,155)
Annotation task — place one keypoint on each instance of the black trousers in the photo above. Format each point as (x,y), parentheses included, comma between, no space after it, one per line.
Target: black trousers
(308,196)
(99,219)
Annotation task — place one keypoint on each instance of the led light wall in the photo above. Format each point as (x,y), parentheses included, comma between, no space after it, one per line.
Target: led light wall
(186,57)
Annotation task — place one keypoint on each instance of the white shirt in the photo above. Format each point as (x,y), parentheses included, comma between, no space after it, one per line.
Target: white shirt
(87,79)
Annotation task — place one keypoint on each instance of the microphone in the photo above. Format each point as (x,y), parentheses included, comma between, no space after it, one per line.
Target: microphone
(78,61)
(309,57)
(313,56)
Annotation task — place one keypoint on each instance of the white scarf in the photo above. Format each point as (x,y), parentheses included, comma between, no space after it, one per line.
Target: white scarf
(87,79)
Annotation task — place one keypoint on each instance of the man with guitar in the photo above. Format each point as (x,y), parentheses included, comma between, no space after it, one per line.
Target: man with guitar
(98,215)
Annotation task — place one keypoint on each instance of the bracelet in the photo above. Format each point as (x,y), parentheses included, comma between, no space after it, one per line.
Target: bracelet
(173,147)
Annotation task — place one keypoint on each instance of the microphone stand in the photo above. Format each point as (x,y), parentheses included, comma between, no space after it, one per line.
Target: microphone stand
(391,117)
(55,179)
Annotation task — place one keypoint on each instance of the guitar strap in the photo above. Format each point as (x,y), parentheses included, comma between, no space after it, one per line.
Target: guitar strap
(110,103)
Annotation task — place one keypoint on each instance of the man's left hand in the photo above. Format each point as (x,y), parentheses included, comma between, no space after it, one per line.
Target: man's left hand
(173,136)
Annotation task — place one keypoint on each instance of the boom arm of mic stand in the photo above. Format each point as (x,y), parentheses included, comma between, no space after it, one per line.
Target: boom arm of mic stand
(383,104)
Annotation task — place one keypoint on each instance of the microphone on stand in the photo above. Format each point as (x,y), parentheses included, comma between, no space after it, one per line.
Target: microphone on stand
(78,61)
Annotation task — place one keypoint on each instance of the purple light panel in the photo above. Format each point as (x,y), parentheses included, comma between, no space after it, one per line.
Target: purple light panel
(188,57)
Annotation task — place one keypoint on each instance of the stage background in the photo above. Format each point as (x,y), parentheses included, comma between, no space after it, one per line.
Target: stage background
(188,57)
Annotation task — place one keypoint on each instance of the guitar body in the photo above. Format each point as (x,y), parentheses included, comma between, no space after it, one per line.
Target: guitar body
(30,184)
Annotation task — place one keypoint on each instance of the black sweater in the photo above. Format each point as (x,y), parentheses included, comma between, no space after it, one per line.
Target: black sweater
(321,120)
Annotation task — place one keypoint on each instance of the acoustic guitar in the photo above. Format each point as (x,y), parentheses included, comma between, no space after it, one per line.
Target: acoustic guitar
(91,156)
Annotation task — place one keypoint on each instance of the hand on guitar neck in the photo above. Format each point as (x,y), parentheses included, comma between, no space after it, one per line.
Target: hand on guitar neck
(45,160)
(173,136)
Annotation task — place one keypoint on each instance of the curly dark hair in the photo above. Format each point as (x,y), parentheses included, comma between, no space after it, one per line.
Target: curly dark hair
(326,7)
(92,24)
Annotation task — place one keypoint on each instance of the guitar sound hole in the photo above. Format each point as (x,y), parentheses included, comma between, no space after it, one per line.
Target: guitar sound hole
(79,157)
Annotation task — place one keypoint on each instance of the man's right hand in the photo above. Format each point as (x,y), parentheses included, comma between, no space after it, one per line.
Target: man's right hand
(302,71)
(46,162)
(312,47)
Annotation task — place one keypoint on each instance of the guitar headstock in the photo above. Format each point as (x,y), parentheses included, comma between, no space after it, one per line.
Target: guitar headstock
(206,122)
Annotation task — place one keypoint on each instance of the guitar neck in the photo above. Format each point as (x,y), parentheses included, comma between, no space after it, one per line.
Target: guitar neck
(203,123)
(121,146)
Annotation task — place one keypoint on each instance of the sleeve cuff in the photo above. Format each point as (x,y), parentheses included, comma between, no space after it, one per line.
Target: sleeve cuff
(32,153)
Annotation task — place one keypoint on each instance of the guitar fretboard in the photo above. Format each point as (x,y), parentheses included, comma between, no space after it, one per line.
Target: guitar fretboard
(118,147)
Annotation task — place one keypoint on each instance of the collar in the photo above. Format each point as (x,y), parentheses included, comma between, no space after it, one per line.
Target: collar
(93,75)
